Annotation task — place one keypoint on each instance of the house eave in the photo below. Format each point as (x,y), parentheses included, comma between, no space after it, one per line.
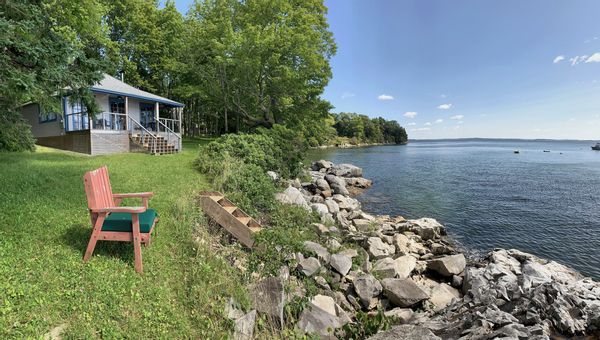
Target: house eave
(150,99)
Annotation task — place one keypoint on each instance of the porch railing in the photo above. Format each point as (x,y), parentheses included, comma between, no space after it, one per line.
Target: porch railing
(109,121)
(172,124)
(170,135)
(145,136)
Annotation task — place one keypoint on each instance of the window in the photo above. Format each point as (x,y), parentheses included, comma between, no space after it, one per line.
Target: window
(77,119)
(46,117)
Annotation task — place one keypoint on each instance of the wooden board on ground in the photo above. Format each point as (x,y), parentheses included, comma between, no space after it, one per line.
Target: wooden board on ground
(227,215)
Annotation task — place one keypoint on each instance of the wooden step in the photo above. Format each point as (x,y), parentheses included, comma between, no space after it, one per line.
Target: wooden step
(216,198)
(244,220)
(230,209)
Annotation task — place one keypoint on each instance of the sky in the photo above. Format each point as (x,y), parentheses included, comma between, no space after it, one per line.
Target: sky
(469,68)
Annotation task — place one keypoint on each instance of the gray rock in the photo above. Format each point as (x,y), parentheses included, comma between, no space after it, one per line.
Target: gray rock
(231,310)
(323,164)
(448,265)
(320,317)
(359,182)
(378,249)
(403,292)
(292,195)
(534,274)
(320,209)
(333,244)
(406,332)
(268,298)
(317,199)
(405,265)
(426,228)
(332,205)
(349,252)
(296,183)
(337,184)
(341,263)
(401,242)
(317,249)
(309,266)
(362,224)
(322,283)
(346,170)
(367,288)
(402,314)
(385,268)
(244,326)
(273,175)
(322,184)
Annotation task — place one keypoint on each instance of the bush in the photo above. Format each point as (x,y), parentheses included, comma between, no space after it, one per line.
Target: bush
(15,133)
(250,188)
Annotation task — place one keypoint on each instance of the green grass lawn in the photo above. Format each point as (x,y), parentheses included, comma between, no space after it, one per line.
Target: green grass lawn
(45,227)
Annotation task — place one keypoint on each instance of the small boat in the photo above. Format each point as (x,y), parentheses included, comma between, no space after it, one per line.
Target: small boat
(516,151)
(596,147)
(546,150)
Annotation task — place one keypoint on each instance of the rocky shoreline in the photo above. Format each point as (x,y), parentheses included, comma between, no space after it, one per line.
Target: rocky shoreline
(351,146)
(412,272)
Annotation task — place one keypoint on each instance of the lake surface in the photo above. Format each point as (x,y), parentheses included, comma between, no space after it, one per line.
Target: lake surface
(545,203)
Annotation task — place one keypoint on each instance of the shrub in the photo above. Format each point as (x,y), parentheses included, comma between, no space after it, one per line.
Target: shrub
(15,133)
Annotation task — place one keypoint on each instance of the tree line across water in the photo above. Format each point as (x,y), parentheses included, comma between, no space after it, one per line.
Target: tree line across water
(236,65)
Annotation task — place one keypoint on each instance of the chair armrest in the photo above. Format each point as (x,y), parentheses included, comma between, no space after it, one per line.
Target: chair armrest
(133,210)
(131,195)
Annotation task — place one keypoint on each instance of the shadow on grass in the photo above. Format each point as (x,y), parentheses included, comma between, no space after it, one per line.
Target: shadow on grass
(77,237)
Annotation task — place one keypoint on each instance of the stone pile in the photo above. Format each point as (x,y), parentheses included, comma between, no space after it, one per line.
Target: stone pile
(410,270)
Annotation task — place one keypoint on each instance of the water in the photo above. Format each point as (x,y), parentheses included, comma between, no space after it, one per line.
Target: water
(545,203)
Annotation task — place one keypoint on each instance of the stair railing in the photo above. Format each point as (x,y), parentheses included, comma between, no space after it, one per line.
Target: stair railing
(134,125)
(170,133)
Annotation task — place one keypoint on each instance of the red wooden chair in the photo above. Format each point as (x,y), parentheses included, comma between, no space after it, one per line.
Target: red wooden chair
(113,223)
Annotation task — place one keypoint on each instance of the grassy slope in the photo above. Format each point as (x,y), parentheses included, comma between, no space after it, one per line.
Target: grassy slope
(44,229)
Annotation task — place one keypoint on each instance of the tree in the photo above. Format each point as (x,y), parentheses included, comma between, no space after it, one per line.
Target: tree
(48,47)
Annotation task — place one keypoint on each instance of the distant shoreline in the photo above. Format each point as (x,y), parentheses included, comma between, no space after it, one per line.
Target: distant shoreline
(501,139)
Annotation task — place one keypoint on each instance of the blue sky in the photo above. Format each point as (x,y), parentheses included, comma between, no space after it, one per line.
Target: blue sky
(469,68)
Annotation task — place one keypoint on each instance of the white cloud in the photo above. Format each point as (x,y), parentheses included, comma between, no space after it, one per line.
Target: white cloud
(459,122)
(346,95)
(457,117)
(445,106)
(559,59)
(385,97)
(438,121)
(411,124)
(595,58)
(420,129)
(427,124)
(590,40)
(578,59)
(410,114)
(443,96)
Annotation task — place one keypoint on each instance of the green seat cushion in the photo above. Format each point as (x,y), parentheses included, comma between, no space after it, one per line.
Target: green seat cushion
(122,221)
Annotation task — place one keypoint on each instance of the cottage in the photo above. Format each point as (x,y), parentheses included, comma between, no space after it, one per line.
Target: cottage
(130,120)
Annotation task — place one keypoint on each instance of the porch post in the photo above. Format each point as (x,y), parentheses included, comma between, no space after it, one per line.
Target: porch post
(126,113)
(180,120)
(156,114)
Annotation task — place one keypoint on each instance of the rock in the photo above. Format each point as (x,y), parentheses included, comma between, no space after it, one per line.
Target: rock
(361,224)
(333,244)
(401,242)
(403,292)
(406,332)
(402,314)
(534,274)
(322,283)
(359,182)
(296,183)
(320,317)
(341,300)
(405,265)
(346,170)
(341,263)
(231,310)
(244,326)
(448,265)
(332,206)
(337,184)
(320,209)
(268,298)
(309,266)
(323,164)
(378,249)
(317,249)
(457,281)
(292,195)
(55,333)
(440,294)
(326,193)
(321,228)
(273,175)
(426,228)
(367,288)
(322,184)
(349,252)
(317,199)
(385,268)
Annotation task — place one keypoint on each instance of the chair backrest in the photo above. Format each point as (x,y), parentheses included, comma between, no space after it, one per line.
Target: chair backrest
(98,189)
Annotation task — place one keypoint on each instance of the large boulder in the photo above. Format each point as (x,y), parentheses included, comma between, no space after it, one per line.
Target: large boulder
(337,184)
(268,298)
(321,317)
(427,228)
(448,265)
(346,170)
(322,164)
(378,249)
(405,265)
(292,195)
(322,184)
(309,266)
(317,249)
(359,182)
(244,326)
(385,268)
(332,205)
(320,209)
(403,292)
(367,288)
(341,263)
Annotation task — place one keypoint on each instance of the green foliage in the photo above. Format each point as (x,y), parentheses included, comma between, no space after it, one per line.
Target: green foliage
(365,325)
(362,129)
(249,187)
(15,133)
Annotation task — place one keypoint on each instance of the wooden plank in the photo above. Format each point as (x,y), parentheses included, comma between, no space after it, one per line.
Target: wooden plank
(230,209)
(236,227)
